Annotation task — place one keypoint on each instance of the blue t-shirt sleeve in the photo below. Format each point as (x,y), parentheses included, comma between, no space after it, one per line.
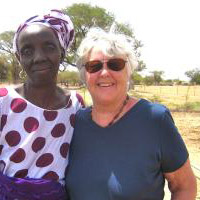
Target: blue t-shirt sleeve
(173,149)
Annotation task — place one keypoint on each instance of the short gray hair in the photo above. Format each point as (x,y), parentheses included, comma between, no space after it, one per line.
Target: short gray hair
(111,44)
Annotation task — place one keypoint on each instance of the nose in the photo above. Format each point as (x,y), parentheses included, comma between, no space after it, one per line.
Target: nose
(39,55)
(105,69)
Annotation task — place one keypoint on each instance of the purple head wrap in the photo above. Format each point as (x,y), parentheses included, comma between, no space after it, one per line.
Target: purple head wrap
(55,19)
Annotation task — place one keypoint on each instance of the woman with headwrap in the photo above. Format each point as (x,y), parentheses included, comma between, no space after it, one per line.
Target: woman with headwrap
(37,118)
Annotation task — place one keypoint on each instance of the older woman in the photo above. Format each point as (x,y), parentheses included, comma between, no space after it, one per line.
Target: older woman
(37,118)
(123,147)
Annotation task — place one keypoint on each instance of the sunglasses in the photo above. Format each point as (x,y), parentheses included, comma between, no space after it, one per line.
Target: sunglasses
(114,64)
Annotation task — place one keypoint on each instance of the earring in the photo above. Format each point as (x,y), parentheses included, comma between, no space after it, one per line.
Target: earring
(22,74)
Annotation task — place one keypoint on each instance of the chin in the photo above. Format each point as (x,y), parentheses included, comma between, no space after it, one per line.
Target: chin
(105,99)
(45,82)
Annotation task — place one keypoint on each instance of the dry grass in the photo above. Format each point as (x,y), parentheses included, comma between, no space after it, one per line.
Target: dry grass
(189,126)
(184,98)
(177,90)
(171,96)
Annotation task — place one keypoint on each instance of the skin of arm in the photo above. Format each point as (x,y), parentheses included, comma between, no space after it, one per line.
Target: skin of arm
(182,183)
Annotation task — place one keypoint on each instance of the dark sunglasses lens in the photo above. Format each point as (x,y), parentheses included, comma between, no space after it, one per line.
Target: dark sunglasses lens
(116,64)
(93,66)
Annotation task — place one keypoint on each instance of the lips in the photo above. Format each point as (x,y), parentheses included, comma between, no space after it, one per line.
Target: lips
(41,68)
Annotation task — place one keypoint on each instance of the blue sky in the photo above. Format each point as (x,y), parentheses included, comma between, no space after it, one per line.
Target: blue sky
(169,29)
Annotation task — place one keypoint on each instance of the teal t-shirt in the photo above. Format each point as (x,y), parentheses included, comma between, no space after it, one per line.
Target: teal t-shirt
(125,161)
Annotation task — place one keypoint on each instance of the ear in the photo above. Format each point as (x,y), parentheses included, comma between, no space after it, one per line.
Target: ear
(62,56)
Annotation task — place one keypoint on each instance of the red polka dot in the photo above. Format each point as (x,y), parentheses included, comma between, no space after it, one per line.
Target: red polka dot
(21,173)
(13,138)
(3,92)
(50,115)
(58,130)
(80,99)
(44,160)
(31,124)
(72,120)
(3,121)
(38,144)
(69,103)
(2,165)
(64,149)
(18,156)
(18,105)
(1,148)
(51,176)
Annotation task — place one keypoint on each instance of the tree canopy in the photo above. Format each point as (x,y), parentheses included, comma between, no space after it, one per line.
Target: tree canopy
(194,75)
(11,72)
(85,16)
(157,76)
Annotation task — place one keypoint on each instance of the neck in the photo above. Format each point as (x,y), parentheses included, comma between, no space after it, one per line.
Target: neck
(33,91)
(106,115)
(47,97)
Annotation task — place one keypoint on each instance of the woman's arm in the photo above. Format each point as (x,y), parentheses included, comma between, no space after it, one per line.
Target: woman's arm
(182,183)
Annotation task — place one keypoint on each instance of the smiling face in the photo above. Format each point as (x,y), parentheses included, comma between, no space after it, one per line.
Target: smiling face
(40,54)
(106,85)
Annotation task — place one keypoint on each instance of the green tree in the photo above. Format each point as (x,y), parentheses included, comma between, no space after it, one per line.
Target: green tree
(148,80)
(177,81)
(6,41)
(157,76)
(141,65)
(85,16)
(69,78)
(3,68)
(168,82)
(194,75)
(136,78)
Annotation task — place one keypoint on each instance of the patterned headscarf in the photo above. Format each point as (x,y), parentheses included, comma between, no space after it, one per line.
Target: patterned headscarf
(55,19)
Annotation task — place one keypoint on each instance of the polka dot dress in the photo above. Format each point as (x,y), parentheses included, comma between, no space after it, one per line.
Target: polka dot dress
(34,142)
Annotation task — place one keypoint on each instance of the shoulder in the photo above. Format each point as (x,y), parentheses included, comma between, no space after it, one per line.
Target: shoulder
(82,117)
(83,114)
(154,110)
